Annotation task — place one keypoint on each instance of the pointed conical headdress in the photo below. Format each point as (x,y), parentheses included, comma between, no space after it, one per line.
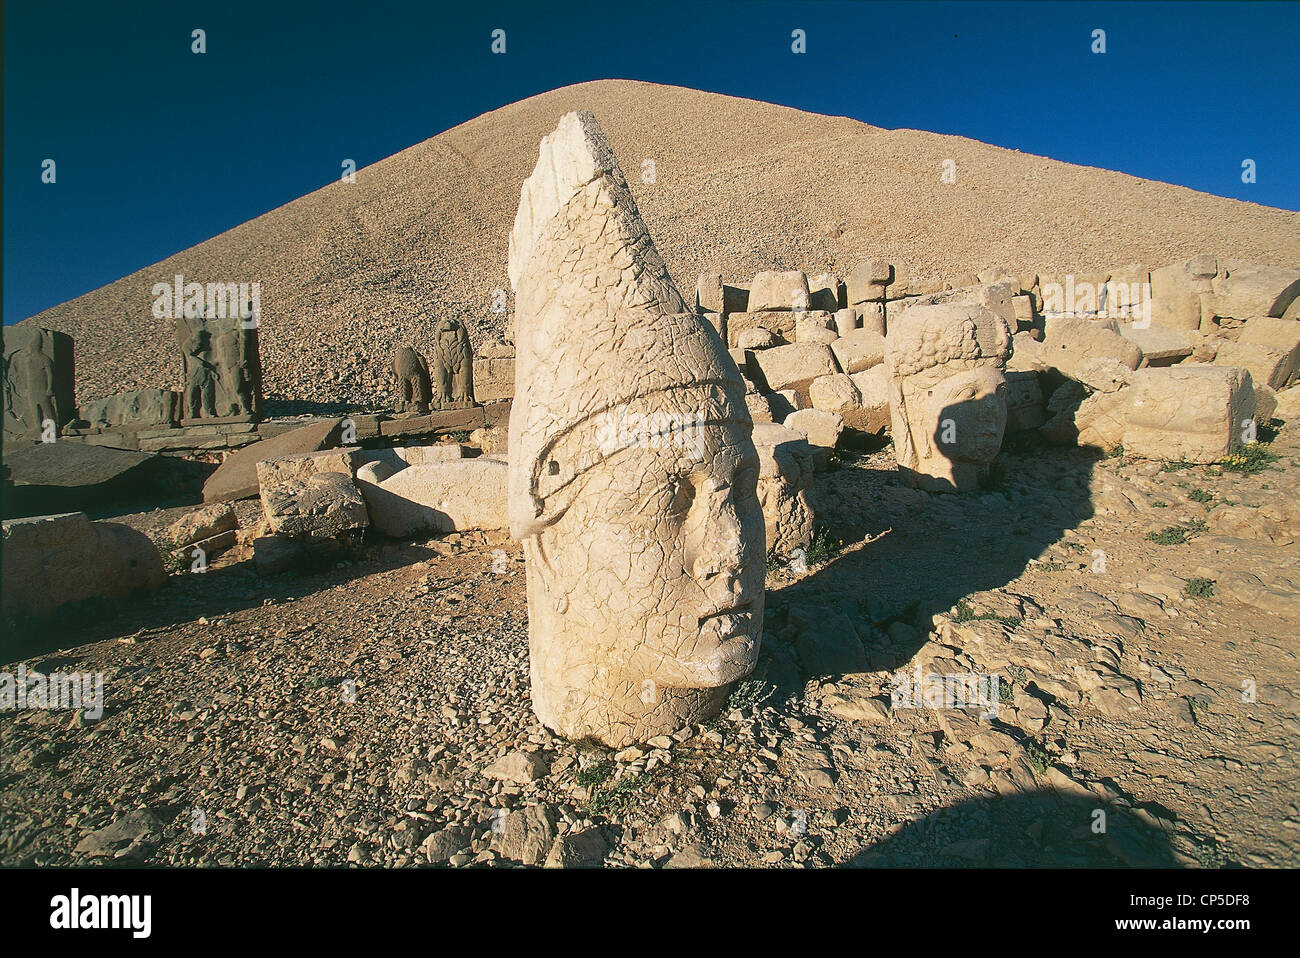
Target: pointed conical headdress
(600,329)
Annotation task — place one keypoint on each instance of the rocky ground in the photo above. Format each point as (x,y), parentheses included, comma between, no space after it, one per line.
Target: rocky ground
(1142,617)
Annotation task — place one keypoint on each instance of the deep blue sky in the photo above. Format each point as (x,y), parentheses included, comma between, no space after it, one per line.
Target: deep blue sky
(158,148)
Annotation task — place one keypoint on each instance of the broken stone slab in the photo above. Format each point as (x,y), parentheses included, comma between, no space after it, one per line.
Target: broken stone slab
(342,460)
(866,282)
(757,338)
(779,324)
(203,523)
(1279,336)
(793,367)
(52,561)
(236,477)
(141,409)
(858,350)
(821,428)
(814,326)
(68,476)
(826,292)
(439,497)
(708,293)
(1078,348)
(317,505)
(785,474)
(436,423)
(494,379)
(835,393)
(1267,366)
(1160,345)
(760,410)
(1025,408)
(1187,413)
(1248,291)
(779,291)
(873,416)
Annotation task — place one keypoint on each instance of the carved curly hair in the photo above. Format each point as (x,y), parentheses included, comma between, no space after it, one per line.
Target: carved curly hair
(931,336)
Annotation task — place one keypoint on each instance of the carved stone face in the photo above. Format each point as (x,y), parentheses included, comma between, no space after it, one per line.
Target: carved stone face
(956,420)
(644,594)
(949,398)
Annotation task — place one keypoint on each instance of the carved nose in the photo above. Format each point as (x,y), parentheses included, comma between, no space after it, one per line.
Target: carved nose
(719,549)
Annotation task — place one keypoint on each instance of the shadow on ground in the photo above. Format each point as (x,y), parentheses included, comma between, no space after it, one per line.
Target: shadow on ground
(933,551)
(1028,830)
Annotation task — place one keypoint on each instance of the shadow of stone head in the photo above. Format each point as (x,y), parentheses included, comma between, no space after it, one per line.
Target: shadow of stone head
(871,607)
(1040,829)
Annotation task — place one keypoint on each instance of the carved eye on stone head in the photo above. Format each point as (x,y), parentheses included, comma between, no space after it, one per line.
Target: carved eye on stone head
(552,468)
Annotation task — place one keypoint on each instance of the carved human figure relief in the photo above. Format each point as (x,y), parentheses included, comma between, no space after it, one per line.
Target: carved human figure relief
(633,473)
(948,393)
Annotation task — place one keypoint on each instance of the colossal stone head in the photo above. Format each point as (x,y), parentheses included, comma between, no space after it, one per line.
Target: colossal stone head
(948,393)
(632,480)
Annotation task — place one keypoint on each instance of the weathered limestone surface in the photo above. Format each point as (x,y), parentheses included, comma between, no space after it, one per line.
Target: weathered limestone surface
(136,410)
(633,474)
(203,524)
(874,387)
(779,291)
(1248,291)
(785,474)
(794,366)
(779,323)
(451,374)
(436,497)
(948,405)
(1190,413)
(38,380)
(1090,351)
(1025,408)
(825,292)
(413,385)
(1160,346)
(319,506)
(236,477)
(50,561)
(1280,337)
(858,350)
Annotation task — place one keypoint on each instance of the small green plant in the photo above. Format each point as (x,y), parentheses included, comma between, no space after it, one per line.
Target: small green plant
(1210,855)
(1199,588)
(459,435)
(1159,505)
(594,775)
(966,614)
(1036,755)
(822,548)
(1078,547)
(1052,566)
(1116,453)
(1176,465)
(1177,535)
(174,558)
(1200,495)
(1249,459)
(612,797)
(749,694)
